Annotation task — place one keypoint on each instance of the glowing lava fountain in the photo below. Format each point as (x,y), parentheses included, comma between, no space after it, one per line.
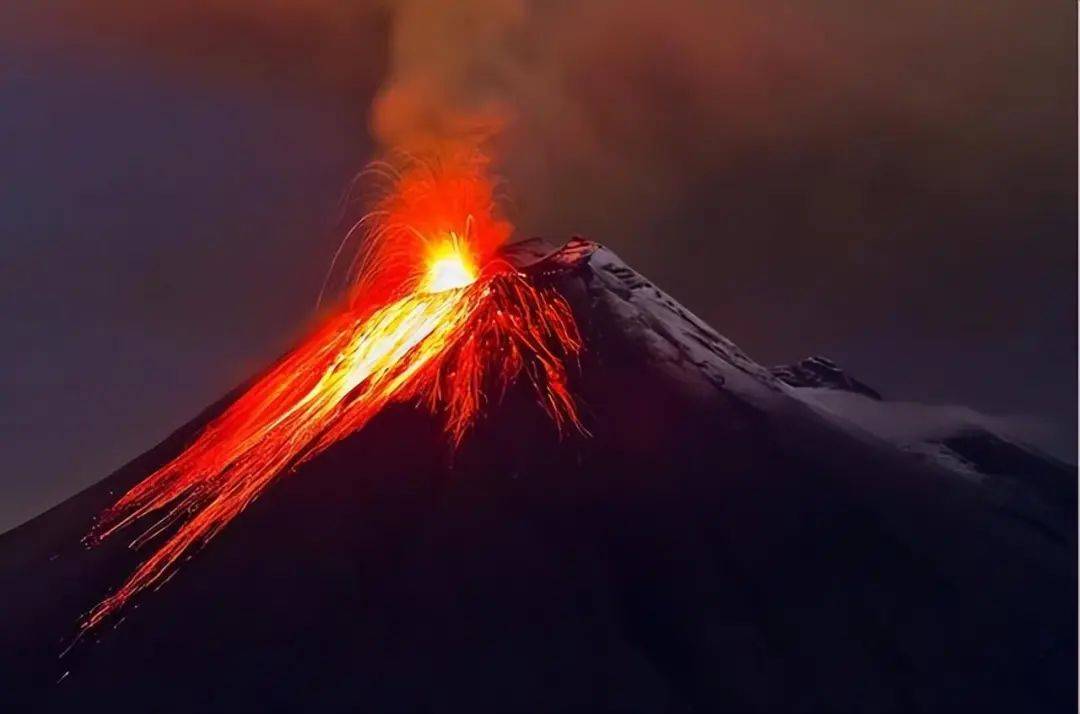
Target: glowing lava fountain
(432,317)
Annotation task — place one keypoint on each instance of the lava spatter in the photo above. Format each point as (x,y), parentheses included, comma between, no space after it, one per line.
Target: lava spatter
(431,317)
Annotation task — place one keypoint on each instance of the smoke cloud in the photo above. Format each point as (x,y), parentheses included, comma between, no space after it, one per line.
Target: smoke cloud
(636,98)
(765,161)
(451,75)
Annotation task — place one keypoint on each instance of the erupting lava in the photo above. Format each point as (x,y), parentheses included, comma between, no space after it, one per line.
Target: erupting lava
(432,317)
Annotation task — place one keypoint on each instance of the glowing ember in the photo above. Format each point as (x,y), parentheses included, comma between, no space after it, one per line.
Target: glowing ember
(432,319)
(449,266)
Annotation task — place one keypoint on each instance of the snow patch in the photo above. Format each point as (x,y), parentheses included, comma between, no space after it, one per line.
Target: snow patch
(921,428)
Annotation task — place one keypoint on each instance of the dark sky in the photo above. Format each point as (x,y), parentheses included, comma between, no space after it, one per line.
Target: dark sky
(892,187)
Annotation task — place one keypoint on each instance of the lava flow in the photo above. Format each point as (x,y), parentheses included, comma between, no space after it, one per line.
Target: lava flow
(432,317)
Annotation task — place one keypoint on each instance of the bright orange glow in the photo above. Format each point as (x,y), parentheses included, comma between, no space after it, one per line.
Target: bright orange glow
(449,266)
(452,336)
(431,212)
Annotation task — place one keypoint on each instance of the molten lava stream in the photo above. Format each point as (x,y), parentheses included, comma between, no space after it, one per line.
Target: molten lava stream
(448,343)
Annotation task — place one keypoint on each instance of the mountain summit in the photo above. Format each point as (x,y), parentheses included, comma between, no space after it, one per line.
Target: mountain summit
(726,538)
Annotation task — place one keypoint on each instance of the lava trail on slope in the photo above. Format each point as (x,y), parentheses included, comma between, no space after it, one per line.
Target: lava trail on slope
(432,317)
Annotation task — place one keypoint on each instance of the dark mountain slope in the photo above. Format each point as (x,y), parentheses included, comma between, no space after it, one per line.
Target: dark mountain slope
(715,544)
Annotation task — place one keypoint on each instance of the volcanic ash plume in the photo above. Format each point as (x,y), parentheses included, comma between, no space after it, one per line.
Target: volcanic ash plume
(449,74)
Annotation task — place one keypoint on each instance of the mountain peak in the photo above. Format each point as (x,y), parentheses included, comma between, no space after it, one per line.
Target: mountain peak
(712,534)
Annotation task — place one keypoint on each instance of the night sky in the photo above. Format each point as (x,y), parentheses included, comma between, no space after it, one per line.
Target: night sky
(893,187)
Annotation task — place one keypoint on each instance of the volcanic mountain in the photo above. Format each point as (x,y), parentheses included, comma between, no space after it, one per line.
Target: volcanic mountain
(725,538)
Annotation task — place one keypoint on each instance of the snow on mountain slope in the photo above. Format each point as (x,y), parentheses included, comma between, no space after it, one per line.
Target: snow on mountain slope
(964,441)
(957,438)
(824,373)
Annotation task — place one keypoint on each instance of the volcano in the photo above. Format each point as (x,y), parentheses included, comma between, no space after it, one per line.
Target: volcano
(719,537)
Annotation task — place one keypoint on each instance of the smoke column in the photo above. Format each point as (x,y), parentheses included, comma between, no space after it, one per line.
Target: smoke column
(918,155)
